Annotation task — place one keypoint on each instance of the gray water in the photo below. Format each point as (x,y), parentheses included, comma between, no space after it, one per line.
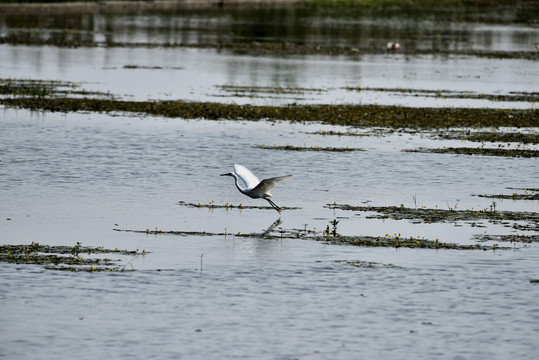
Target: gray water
(68,178)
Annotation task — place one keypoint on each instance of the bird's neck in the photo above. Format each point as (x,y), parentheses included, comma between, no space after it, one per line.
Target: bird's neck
(242,190)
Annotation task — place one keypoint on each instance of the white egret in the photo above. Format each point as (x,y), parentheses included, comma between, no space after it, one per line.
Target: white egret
(255,188)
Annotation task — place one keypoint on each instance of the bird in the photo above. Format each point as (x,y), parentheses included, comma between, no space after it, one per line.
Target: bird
(393,45)
(255,188)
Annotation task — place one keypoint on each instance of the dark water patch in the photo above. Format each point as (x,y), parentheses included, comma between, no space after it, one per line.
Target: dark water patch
(346,115)
(307,148)
(525,153)
(65,258)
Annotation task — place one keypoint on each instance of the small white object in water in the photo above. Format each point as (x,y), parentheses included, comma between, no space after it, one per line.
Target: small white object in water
(393,45)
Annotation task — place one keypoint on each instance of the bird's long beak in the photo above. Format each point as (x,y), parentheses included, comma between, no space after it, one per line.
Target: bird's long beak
(227,174)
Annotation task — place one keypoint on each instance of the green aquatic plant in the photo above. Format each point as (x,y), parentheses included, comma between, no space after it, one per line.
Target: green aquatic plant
(64,258)
(425,215)
(526,153)
(305,148)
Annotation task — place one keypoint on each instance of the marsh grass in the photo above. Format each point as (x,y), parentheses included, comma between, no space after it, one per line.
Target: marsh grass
(307,148)
(64,258)
(211,205)
(525,153)
(426,215)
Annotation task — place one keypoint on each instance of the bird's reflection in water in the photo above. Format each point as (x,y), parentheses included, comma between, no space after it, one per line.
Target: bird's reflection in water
(272,227)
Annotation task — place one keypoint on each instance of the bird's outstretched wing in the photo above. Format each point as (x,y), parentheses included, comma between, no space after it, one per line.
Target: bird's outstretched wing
(247,176)
(267,185)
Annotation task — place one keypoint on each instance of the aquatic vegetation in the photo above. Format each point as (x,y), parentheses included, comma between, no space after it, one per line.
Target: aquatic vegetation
(64,258)
(452,94)
(397,242)
(305,148)
(492,136)
(327,237)
(527,153)
(365,264)
(346,115)
(529,194)
(425,215)
(44,89)
(516,238)
(213,205)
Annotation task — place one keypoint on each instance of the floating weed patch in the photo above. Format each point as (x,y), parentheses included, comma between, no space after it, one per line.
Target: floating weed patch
(64,258)
(307,148)
(345,115)
(275,233)
(529,194)
(398,242)
(452,94)
(527,153)
(494,136)
(211,205)
(365,264)
(423,215)
(238,90)
(40,89)
(516,238)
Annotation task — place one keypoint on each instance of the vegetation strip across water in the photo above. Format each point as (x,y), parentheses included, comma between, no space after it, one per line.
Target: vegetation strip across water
(360,240)
(64,258)
(346,115)
(442,215)
(527,153)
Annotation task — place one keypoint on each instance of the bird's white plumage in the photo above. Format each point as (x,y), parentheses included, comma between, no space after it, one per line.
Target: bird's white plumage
(255,188)
(265,186)
(246,176)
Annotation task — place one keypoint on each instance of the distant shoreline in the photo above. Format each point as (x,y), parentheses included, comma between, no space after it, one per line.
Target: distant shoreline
(11,7)
(7,6)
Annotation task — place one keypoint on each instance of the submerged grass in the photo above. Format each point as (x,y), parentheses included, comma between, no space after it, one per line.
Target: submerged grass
(307,148)
(517,238)
(526,153)
(529,194)
(345,115)
(360,240)
(397,242)
(493,136)
(211,205)
(64,258)
(424,215)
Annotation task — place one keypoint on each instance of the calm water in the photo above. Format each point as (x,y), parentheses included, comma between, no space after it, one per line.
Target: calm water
(150,70)
(68,178)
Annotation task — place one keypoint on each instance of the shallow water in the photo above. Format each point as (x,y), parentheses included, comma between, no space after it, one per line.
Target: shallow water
(75,177)
(136,55)
(68,178)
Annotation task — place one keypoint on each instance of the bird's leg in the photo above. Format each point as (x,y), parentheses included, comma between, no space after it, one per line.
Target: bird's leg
(274,205)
